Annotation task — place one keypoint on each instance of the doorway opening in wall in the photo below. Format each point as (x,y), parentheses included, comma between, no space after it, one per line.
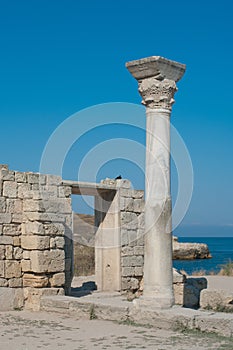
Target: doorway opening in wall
(83,244)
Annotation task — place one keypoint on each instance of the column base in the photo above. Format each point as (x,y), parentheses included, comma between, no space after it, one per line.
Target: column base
(154,302)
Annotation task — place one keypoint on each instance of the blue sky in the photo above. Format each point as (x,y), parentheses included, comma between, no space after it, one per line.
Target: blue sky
(58,57)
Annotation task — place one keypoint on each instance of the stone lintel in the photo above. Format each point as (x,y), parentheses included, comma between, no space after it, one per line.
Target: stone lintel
(157,67)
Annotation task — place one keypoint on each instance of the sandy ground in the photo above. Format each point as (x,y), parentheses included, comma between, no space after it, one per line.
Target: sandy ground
(23,330)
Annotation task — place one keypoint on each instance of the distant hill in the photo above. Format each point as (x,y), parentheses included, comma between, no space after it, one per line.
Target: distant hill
(84,232)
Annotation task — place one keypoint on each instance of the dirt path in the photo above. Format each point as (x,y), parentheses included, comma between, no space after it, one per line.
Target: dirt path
(22,330)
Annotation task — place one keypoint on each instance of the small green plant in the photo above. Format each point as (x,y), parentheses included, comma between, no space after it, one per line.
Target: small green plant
(92,313)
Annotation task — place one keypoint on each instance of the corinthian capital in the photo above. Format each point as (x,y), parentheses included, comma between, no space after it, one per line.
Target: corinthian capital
(157,94)
(157,77)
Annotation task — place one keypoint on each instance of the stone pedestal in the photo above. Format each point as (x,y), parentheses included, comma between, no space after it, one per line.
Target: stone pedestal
(157,79)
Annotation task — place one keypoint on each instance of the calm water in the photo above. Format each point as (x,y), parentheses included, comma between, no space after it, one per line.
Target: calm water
(221,249)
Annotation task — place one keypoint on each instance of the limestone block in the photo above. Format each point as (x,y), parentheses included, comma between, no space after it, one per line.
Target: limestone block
(18,253)
(31,280)
(32,227)
(64,191)
(17,218)
(178,277)
(132,261)
(12,230)
(53,180)
(179,293)
(58,205)
(3,282)
(57,242)
(14,205)
(47,217)
(11,298)
(15,282)
(138,205)
(47,261)
(7,175)
(132,236)
(26,265)
(6,240)
(129,220)
(20,177)
(2,252)
(32,178)
(24,190)
(137,194)
(127,271)
(17,241)
(141,221)
(33,205)
(138,250)
(124,237)
(33,295)
(138,271)
(5,218)
(49,192)
(9,252)
(127,251)
(35,187)
(1,229)
(2,268)
(55,229)
(216,299)
(126,204)
(12,269)
(32,242)
(10,189)
(125,192)
(57,280)
(2,205)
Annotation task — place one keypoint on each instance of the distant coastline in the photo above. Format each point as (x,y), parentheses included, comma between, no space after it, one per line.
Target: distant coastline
(221,249)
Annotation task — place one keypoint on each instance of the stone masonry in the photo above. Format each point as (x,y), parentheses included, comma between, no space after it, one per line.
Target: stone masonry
(35,238)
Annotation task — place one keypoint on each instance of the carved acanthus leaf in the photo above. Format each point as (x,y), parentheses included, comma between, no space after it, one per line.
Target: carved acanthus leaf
(156,93)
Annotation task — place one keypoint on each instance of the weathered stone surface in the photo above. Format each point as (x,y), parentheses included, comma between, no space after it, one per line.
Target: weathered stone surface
(2,252)
(14,206)
(55,229)
(24,190)
(20,177)
(18,253)
(57,242)
(34,242)
(9,252)
(178,277)
(3,282)
(12,269)
(2,205)
(15,282)
(35,281)
(218,300)
(12,230)
(57,280)
(5,218)
(10,189)
(16,241)
(26,265)
(6,240)
(32,178)
(11,299)
(33,205)
(2,268)
(53,180)
(47,261)
(33,296)
(32,227)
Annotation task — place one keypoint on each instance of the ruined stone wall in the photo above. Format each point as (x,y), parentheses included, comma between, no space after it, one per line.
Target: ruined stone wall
(132,238)
(35,238)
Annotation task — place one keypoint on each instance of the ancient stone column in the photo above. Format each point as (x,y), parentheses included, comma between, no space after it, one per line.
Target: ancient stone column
(157,79)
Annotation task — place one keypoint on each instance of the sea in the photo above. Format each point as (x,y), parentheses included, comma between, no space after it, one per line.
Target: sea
(221,249)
